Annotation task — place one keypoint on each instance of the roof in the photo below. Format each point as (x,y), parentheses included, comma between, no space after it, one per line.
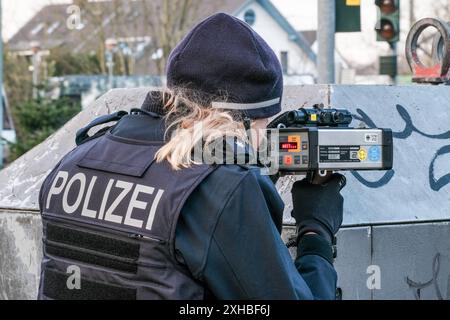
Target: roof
(132,19)
(309,35)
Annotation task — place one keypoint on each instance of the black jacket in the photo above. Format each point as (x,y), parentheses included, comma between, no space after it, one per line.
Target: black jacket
(228,234)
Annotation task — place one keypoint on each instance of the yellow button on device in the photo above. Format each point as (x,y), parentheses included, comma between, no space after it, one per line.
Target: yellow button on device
(362,154)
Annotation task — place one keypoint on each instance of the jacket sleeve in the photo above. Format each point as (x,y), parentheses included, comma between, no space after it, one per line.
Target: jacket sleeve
(246,257)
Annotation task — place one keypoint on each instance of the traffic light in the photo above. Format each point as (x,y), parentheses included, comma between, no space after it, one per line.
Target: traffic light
(348,15)
(388,26)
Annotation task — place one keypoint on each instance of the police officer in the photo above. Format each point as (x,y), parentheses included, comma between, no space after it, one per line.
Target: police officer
(131,214)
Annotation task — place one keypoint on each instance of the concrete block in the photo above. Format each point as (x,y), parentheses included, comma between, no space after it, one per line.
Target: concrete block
(20,254)
(414,261)
(418,189)
(353,259)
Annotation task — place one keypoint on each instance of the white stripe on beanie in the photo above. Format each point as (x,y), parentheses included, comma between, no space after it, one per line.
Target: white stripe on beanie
(245,106)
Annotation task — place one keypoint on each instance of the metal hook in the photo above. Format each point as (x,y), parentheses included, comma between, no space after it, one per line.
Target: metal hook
(439,72)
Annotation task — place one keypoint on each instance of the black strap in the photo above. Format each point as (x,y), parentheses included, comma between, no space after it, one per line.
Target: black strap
(148,113)
(90,258)
(90,248)
(93,241)
(82,134)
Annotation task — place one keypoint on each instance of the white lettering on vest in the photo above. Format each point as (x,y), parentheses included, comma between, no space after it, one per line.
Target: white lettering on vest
(69,209)
(155,203)
(86,211)
(101,212)
(54,190)
(126,188)
(87,196)
(136,204)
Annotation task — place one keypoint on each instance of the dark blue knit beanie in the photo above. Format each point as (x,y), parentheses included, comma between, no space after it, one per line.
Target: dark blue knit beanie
(224,56)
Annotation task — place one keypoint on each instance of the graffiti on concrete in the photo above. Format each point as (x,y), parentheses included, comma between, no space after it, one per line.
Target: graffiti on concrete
(419,286)
(410,128)
(438,184)
(387,177)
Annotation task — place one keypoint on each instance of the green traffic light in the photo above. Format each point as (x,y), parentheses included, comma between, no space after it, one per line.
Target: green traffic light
(388,26)
(387,6)
(387,30)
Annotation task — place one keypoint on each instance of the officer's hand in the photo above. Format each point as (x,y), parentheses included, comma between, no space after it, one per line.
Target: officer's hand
(318,208)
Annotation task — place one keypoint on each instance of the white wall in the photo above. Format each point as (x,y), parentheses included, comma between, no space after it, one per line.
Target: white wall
(278,40)
(302,14)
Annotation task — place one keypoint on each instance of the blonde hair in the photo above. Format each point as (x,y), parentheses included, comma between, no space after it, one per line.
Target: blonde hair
(192,122)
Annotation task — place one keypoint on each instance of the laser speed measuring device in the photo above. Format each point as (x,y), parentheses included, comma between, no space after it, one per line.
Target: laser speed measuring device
(317,139)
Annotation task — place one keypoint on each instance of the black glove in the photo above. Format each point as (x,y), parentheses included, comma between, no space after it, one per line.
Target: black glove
(319,208)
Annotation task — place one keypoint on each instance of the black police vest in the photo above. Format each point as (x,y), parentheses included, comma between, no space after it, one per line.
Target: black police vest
(109,215)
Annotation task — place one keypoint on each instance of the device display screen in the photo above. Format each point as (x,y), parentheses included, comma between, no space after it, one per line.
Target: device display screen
(286,146)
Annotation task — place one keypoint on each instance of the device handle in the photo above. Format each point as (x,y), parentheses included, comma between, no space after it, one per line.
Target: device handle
(319,176)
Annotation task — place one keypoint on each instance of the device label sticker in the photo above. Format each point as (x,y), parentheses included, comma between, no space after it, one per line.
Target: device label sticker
(332,154)
(371,138)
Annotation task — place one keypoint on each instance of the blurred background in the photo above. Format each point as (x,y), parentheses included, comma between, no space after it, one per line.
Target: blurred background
(60,56)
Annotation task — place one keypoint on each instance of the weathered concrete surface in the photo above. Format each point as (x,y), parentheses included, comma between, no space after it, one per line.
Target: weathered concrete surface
(420,186)
(20,254)
(391,255)
(418,252)
(417,190)
(354,256)
(400,251)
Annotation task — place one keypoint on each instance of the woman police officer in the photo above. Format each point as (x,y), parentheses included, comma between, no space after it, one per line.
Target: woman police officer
(141,218)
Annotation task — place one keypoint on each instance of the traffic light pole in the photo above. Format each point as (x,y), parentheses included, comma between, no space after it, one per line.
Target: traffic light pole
(394,52)
(326,40)
(388,30)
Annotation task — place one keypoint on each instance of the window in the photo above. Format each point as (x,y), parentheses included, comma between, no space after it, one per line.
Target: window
(284,61)
(53,27)
(158,54)
(250,17)
(37,29)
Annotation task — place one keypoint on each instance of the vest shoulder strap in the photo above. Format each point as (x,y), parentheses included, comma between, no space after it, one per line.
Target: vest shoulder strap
(82,134)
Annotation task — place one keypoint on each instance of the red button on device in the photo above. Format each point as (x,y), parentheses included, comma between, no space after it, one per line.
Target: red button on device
(288,160)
